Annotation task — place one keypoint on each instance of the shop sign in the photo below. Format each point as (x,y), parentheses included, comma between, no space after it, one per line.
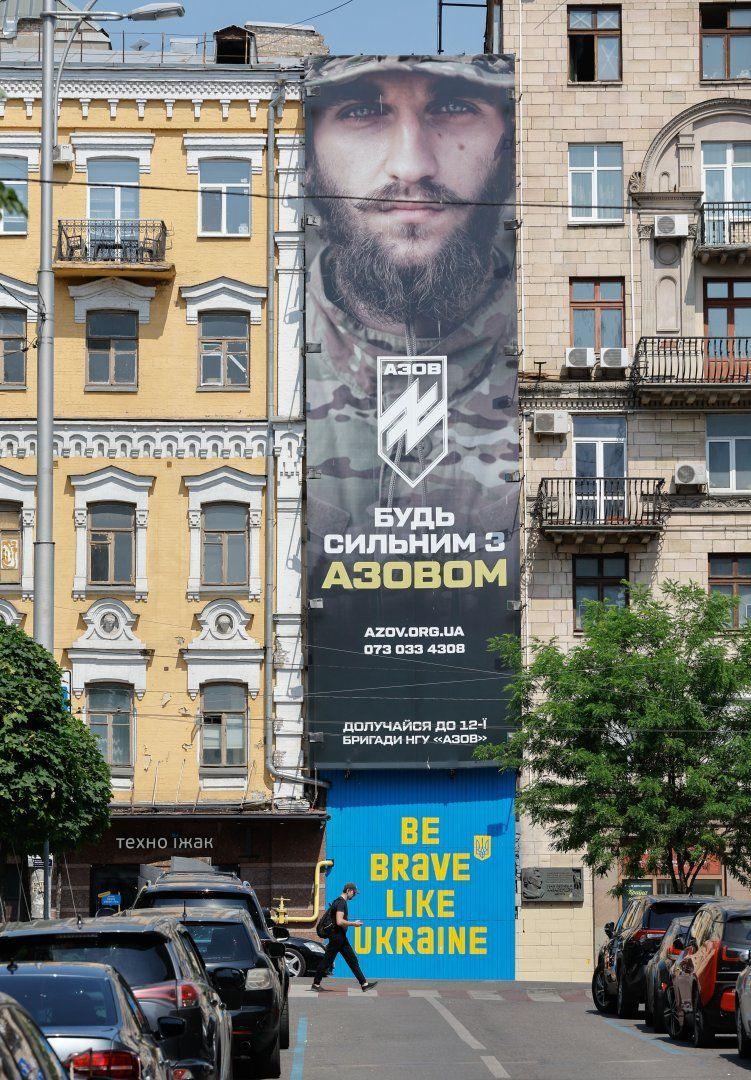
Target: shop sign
(552,883)
(165,843)
(113,899)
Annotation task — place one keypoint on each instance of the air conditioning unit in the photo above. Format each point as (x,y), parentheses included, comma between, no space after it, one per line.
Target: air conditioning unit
(580,359)
(690,474)
(614,359)
(551,423)
(62,154)
(671,226)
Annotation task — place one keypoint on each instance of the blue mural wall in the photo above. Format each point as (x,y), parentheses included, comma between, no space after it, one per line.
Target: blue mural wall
(433,855)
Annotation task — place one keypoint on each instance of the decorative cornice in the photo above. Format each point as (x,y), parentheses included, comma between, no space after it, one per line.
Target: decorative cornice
(248,147)
(701,110)
(708,503)
(116,294)
(223,294)
(132,86)
(94,144)
(17,295)
(583,397)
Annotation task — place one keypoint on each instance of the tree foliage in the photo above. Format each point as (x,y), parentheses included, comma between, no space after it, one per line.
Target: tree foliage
(635,745)
(54,783)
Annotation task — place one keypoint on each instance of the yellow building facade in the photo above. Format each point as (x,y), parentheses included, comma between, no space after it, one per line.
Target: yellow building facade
(166,460)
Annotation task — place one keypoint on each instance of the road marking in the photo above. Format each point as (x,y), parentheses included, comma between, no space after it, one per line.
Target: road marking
(495,1068)
(485,995)
(356,992)
(298,1056)
(657,1044)
(466,1036)
(543,995)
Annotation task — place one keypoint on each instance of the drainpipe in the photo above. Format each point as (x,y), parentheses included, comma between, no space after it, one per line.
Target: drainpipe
(276,103)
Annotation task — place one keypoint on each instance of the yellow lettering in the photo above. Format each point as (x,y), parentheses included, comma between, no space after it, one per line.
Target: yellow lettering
(383,940)
(478,940)
(400,866)
(336,575)
(445,903)
(379,866)
(404,939)
(484,573)
(461,866)
(430,830)
(370,575)
(391,911)
(363,939)
(440,864)
(397,575)
(427,575)
(457,574)
(423,907)
(425,940)
(457,939)
(409,830)
(420,866)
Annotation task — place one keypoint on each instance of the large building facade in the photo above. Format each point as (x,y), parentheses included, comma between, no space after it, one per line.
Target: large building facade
(635,298)
(168,461)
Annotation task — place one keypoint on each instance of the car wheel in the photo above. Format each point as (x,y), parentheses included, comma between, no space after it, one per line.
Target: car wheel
(284,1026)
(701,1031)
(673,1021)
(600,996)
(744,1043)
(295,961)
(658,1012)
(626,1008)
(267,1066)
(649,1015)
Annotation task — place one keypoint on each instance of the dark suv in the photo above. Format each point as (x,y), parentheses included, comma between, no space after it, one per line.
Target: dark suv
(702,991)
(157,958)
(618,982)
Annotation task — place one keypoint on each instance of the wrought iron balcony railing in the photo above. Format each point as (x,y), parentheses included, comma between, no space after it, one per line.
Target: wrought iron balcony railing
(692,360)
(140,242)
(572,503)
(724,225)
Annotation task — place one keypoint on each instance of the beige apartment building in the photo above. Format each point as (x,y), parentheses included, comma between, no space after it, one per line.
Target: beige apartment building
(634,271)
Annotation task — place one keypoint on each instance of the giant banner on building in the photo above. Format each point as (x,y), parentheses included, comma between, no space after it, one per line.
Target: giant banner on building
(411,386)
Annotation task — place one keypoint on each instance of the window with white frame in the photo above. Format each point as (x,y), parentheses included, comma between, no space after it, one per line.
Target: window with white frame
(113,208)
(224,711)
(595,175)
(111,349)
(109,713)
(729,452)
(600,468)
(12,348)
(224,187)
(224,521)
(14,174)
(223,348)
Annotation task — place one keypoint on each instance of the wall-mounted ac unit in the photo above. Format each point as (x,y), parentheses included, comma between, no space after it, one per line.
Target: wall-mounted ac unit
(614,359)
(690,474)
(62,154)
(671,226)
(551,423)
(580,358)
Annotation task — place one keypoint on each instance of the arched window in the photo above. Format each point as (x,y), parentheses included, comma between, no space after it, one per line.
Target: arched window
(224,709)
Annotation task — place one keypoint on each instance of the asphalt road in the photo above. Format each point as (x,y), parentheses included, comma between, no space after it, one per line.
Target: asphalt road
(477,1031)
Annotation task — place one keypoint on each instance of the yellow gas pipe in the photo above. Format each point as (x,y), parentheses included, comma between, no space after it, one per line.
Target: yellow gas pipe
(280,916)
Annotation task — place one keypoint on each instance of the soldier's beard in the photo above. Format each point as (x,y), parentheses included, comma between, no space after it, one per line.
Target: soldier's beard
(376,287)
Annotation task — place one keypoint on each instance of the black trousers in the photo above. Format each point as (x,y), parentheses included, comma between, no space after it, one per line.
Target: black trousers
(338,944)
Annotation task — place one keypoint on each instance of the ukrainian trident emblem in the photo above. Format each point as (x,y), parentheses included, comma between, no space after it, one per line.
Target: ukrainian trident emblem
(483,847)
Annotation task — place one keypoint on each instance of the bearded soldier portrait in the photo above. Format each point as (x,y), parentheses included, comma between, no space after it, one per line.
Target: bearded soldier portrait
(412,437)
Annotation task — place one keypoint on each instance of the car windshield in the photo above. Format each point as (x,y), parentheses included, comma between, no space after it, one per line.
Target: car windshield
(661,915)
(238,901)
(62,1001)
(738,932)
(222,941)
(141,959)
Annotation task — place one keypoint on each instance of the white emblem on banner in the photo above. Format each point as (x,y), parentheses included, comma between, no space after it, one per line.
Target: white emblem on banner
(412,414)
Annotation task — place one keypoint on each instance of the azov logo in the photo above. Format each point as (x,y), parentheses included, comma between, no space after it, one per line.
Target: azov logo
(412,414)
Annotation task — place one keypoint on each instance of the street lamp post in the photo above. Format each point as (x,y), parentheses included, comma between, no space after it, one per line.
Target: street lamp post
(44,544)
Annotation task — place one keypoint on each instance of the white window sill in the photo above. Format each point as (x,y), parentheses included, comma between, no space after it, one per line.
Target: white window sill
(597,84)
(223,236)
(95,388)
(729,491)
(109,590)
(222,389)
(13,386)
(4,233)
(578,222)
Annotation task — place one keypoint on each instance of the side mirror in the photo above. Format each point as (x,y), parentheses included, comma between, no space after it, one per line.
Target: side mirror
(228,978)
(274,949)
(171,1027)
(609,929)
(281,933)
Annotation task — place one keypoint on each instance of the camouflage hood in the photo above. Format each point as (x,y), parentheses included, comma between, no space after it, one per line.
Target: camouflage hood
(495,71)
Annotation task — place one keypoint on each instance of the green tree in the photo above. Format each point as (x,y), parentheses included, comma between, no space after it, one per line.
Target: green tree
(54,783)
(10,201)
(635,745)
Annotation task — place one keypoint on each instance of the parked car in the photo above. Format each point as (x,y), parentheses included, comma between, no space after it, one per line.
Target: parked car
(24,1051)
(657,975)
(158,960)
(249,984)
(618,979)
(702,993)
(90,1018)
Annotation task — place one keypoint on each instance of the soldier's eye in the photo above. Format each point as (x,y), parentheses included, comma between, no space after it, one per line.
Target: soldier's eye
(361,111)
(453,107)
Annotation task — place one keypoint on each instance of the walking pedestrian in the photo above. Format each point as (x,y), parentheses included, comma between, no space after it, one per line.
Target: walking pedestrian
(338,943)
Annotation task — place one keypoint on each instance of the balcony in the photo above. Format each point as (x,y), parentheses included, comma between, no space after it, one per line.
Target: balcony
(724,232)
(694,370)
(601,509)
(112,248)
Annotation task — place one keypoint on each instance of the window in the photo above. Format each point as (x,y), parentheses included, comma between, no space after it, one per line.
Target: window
(594,44)
(731,576)
(109,710)
(224,350)
(13,348)
(224,720)
(702,886)
(111,543)
(727,319)
(225,544)
(729,452)
(596,313)
(111,348)
(225,198)
(595,181)
(598,578)
(10,544)
(113,209)
(600,468)
(725,41)
(14,173)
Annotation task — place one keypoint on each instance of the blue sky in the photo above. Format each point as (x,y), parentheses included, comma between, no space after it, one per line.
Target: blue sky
(373,26)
